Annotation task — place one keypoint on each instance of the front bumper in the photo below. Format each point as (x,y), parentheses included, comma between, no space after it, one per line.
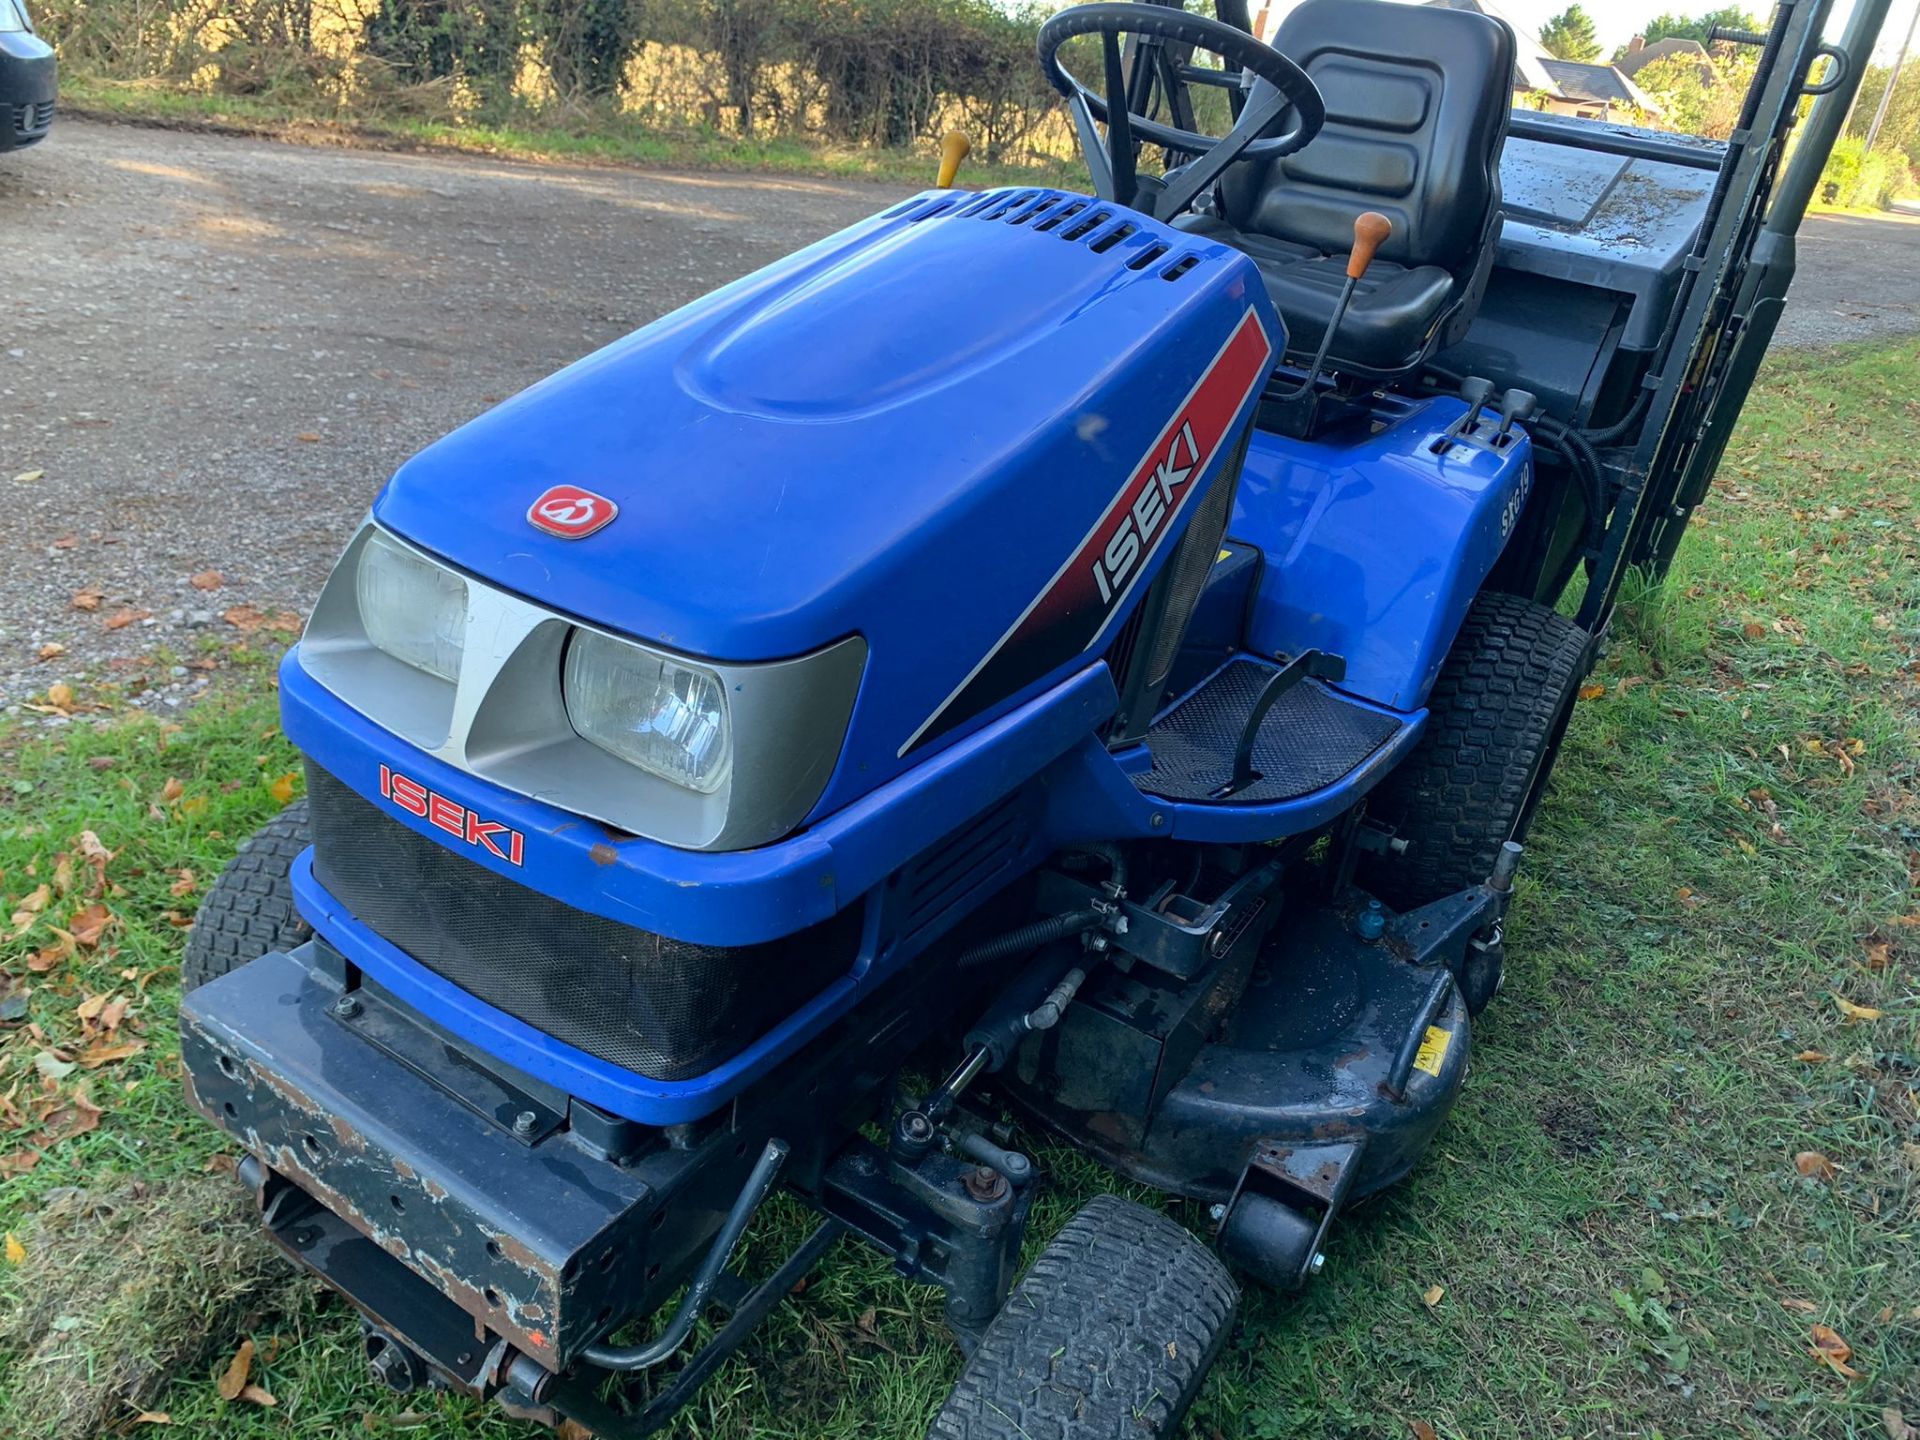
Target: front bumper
(27,86)
(524,1241)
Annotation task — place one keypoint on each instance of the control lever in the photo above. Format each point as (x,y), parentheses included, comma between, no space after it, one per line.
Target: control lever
(1515,405)
(1476,392)
(1371,230)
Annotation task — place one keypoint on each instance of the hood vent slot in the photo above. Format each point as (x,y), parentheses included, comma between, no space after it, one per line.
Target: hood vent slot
(1074,218)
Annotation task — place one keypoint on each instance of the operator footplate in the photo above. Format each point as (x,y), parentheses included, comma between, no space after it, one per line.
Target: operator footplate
(1310,739)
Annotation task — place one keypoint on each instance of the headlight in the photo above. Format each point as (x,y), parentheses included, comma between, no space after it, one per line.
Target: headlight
(412,609)
(666,716)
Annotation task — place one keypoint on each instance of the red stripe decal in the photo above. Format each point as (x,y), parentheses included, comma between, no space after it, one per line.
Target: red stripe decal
(1070,614)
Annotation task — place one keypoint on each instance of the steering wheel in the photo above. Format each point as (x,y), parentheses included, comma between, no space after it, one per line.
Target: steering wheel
(1284,101)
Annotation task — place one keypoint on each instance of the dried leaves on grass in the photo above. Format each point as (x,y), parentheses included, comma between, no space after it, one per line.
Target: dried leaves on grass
(123,1293)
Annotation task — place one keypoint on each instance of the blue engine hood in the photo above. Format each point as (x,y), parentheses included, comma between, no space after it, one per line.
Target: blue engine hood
(903,431)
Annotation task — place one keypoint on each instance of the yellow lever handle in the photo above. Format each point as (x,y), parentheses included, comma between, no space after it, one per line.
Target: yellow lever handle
(954,147)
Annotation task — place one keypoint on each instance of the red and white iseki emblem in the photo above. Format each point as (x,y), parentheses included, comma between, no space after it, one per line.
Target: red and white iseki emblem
(570,512)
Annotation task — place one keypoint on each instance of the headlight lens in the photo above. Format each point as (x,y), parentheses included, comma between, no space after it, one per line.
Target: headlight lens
(411,608)
(664,715)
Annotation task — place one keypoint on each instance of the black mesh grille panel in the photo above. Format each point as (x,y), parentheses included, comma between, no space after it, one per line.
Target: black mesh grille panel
(1309,739)
(660,1007)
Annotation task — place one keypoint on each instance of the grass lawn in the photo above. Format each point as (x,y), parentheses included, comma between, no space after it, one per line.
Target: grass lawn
(1689,1138)
(596,139)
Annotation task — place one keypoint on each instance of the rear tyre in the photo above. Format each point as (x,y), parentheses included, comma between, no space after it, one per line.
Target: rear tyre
(249,909)
(1109,1335)
(1499,706)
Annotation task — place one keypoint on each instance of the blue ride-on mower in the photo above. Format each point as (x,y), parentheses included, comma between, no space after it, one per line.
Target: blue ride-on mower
(1031,663)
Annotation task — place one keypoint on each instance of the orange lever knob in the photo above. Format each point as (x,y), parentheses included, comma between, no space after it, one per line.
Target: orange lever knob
(1370,232)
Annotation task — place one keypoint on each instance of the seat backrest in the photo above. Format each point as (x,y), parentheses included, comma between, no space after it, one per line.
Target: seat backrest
(1417,104)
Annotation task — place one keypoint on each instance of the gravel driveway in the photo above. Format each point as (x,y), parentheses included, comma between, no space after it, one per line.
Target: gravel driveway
(213,350)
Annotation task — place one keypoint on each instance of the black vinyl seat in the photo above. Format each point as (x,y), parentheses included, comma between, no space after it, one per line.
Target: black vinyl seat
(1417,104)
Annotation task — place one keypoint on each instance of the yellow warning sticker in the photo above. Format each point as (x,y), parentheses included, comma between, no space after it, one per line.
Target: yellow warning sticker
(1433,1050)
(1224,555)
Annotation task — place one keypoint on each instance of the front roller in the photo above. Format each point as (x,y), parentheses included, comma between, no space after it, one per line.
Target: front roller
(1110,1335)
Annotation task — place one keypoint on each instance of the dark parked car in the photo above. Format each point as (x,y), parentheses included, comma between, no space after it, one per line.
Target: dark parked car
(26,79)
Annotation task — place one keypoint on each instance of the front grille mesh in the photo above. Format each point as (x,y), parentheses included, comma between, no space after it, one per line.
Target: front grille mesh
(660,1007)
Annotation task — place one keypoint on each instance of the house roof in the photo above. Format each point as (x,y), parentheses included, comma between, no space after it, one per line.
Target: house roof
(1634,61)
(1602,84)
(1529,54)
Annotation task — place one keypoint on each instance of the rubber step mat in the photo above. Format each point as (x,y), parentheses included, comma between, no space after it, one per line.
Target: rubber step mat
(1310,739)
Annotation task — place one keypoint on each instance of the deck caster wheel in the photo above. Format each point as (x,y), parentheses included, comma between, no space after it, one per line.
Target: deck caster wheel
(249,910)
(1270,1241)
(1109,1335)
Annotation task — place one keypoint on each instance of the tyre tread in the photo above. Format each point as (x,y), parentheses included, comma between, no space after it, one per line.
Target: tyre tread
(1490,715)
(249,909)
(1109,1335)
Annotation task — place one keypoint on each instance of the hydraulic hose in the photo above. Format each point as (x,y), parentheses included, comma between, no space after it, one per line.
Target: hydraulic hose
(1115,857)
(1029,937)
(645,1357)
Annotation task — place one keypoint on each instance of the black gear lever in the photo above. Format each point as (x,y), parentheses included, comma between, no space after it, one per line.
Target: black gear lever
(1476,392)
(1515,406)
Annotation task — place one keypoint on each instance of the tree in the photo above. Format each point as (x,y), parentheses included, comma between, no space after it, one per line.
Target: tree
(1698,27)
(1569,35)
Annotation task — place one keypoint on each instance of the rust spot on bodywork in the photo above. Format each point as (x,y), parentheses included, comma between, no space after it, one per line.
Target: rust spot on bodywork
(602,853)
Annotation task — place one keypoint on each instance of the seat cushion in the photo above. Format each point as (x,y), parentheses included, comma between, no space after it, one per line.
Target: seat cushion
(1394,309)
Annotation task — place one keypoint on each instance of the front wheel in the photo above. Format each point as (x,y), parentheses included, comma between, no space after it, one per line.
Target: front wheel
(1108,1336)
(249,909)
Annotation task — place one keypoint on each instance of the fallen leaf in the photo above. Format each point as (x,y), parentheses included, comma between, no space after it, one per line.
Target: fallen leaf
(1812,1057)
(109,1054)
(1801,1307)
(1433,1295)
(1422,1430)
(1856,1013)
(28,476)
(282,789)
(120,619)
(207,580)
(235,1379)
(89,925)
(258,1395)
(184,885)
(76,1115)
(308,437)
(1896,1425)
(1879,954)
(16,1252)
(172,790)
(1591,692)
(50,1066)
(1833,1352)
(244,618)
(153,1417)
(1754,630)
(60,695)
(52,650)
(1814,1165)
(89,598)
